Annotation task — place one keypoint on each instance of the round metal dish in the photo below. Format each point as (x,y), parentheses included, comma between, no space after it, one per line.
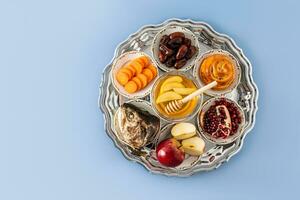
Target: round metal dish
(245,94)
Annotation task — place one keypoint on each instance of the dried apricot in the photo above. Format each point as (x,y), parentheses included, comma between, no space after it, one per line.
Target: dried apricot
(144,60)
(131,68)
(122,78)
(137,66)
(138,82)
(153,69)
(148,73)
(143,79)
(131,87)
(127,71)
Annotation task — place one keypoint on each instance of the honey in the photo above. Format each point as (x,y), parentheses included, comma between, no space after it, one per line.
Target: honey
(219,68)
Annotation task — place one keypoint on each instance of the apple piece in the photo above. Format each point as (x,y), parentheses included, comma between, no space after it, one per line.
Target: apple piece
(184,91)
(170,86)
(183,130)
(193,146)
(168,96)
(168,153)
(177,79)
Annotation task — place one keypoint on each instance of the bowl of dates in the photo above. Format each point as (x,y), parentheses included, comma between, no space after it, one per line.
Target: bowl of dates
(175,48)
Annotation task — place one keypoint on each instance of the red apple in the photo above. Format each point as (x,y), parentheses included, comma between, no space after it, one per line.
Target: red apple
(168,153)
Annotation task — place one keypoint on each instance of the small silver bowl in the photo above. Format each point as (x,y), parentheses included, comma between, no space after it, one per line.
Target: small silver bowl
(209,137)
(166,31)
(237,77)
(119,63)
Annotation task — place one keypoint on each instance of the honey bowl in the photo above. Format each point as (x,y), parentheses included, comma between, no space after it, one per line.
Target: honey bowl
(220,66)
(171,86)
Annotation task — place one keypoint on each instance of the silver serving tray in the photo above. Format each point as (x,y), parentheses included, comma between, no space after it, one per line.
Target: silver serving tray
(245,94)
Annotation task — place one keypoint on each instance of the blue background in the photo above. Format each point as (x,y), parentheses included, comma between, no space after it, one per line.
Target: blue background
(52,140)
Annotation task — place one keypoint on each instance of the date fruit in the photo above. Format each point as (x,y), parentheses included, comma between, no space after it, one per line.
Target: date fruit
(171,61)
(162,57)
(187,42)
(180,63)
(175,42)
(176,35)
(181,52)
(164,40)
(163,48)
(191,51)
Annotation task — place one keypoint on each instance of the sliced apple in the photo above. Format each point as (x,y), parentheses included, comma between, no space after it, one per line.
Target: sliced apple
(168,96)
(177,79)
(183,131)
(193,146)
(184,91)
(169,86)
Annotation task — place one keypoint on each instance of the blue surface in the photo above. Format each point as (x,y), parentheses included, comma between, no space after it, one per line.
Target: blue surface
(52,140)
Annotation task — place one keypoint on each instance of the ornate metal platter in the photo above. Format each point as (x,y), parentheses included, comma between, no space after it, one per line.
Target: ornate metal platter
(245,95)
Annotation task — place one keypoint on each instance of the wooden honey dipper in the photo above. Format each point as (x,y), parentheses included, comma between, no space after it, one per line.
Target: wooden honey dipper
(174,106)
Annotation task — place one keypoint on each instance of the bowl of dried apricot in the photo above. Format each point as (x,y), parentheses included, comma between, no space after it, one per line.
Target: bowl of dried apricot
(133,74)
